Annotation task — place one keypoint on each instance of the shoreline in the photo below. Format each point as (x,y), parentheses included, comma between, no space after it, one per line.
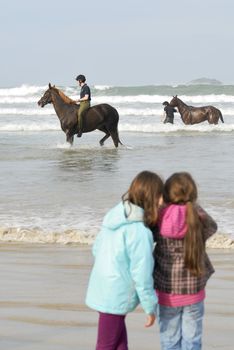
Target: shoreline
(77,237)
(42,296)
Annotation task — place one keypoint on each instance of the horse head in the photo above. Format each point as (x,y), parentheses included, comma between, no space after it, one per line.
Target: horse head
(47,97)
(174,101)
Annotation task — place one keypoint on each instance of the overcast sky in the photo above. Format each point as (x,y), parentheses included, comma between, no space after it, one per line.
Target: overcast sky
(115,42)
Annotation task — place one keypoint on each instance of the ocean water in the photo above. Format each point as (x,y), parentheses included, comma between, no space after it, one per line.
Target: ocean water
(51,192)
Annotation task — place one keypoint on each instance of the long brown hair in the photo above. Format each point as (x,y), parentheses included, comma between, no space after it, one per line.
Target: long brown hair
(145,191)
(180,188)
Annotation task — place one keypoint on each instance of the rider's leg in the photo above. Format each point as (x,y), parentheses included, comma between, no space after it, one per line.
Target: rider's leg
(83,106)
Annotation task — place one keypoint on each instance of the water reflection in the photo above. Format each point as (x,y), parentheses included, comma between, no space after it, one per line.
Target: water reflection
(88,162)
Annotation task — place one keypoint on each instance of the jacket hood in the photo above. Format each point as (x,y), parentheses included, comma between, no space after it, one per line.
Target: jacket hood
(123,214)
(172,221)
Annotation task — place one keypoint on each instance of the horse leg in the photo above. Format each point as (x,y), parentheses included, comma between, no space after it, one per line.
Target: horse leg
(107,135)
(101,142)
(213,118)
(69,138)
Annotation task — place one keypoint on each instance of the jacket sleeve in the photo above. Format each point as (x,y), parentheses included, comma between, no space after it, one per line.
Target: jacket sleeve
(209,225)
(139,242)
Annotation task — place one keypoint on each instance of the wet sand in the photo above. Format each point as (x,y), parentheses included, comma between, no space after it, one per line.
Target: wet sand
(42,292)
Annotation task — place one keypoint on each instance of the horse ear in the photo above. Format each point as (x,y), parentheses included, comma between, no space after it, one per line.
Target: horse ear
(50,86)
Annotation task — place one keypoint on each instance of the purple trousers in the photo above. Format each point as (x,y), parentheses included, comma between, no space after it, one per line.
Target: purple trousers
(112,333)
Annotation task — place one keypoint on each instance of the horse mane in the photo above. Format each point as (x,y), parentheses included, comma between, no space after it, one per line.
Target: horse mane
(64,97)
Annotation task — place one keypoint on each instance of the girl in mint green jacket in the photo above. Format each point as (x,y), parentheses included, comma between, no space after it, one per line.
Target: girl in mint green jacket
(122,273)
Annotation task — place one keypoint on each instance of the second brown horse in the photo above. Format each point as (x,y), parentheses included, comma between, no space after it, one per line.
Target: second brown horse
(194,115)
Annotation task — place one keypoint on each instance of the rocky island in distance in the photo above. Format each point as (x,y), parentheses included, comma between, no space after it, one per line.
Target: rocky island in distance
(205,81)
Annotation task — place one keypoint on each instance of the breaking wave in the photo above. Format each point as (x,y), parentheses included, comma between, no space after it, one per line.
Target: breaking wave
(72,236)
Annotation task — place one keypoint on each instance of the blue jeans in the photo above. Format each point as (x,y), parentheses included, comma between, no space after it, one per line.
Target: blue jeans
(181,327)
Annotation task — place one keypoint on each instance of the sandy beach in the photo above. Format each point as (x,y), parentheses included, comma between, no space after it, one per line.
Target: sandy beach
(42,301)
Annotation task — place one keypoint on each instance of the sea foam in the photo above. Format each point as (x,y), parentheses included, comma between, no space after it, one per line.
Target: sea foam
(36,236)
(72,236)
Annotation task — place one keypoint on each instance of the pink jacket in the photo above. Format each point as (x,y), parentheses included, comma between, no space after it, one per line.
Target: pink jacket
(172,221)
(174,284)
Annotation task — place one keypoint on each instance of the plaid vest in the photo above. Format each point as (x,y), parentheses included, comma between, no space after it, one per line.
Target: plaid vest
(170,274)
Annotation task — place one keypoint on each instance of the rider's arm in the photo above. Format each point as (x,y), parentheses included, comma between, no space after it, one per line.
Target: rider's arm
(85,98)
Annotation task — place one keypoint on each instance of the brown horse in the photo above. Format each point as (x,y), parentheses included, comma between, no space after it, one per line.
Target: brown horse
(102,117)
(194,115)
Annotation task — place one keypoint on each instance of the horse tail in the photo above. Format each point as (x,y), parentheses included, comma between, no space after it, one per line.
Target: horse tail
(221,116)
(118,139)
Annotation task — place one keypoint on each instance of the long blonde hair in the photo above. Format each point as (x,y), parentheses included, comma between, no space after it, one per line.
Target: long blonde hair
(145,191)
(180,188)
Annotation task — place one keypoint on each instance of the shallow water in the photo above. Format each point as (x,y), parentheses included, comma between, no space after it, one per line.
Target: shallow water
(51,192)
(49,187)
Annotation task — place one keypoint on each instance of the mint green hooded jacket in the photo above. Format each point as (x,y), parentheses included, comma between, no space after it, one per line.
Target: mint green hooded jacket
(121,277)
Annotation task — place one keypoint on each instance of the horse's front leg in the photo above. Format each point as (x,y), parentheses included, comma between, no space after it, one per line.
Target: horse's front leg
(69,138)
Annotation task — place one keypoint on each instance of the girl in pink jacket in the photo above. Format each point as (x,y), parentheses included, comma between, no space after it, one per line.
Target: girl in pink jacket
(182,266)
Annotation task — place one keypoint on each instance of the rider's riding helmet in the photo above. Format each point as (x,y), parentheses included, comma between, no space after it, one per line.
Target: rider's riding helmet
(166,103)
(81,77)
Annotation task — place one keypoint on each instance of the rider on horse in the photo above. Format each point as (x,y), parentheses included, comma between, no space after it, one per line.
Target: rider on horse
(85,98)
